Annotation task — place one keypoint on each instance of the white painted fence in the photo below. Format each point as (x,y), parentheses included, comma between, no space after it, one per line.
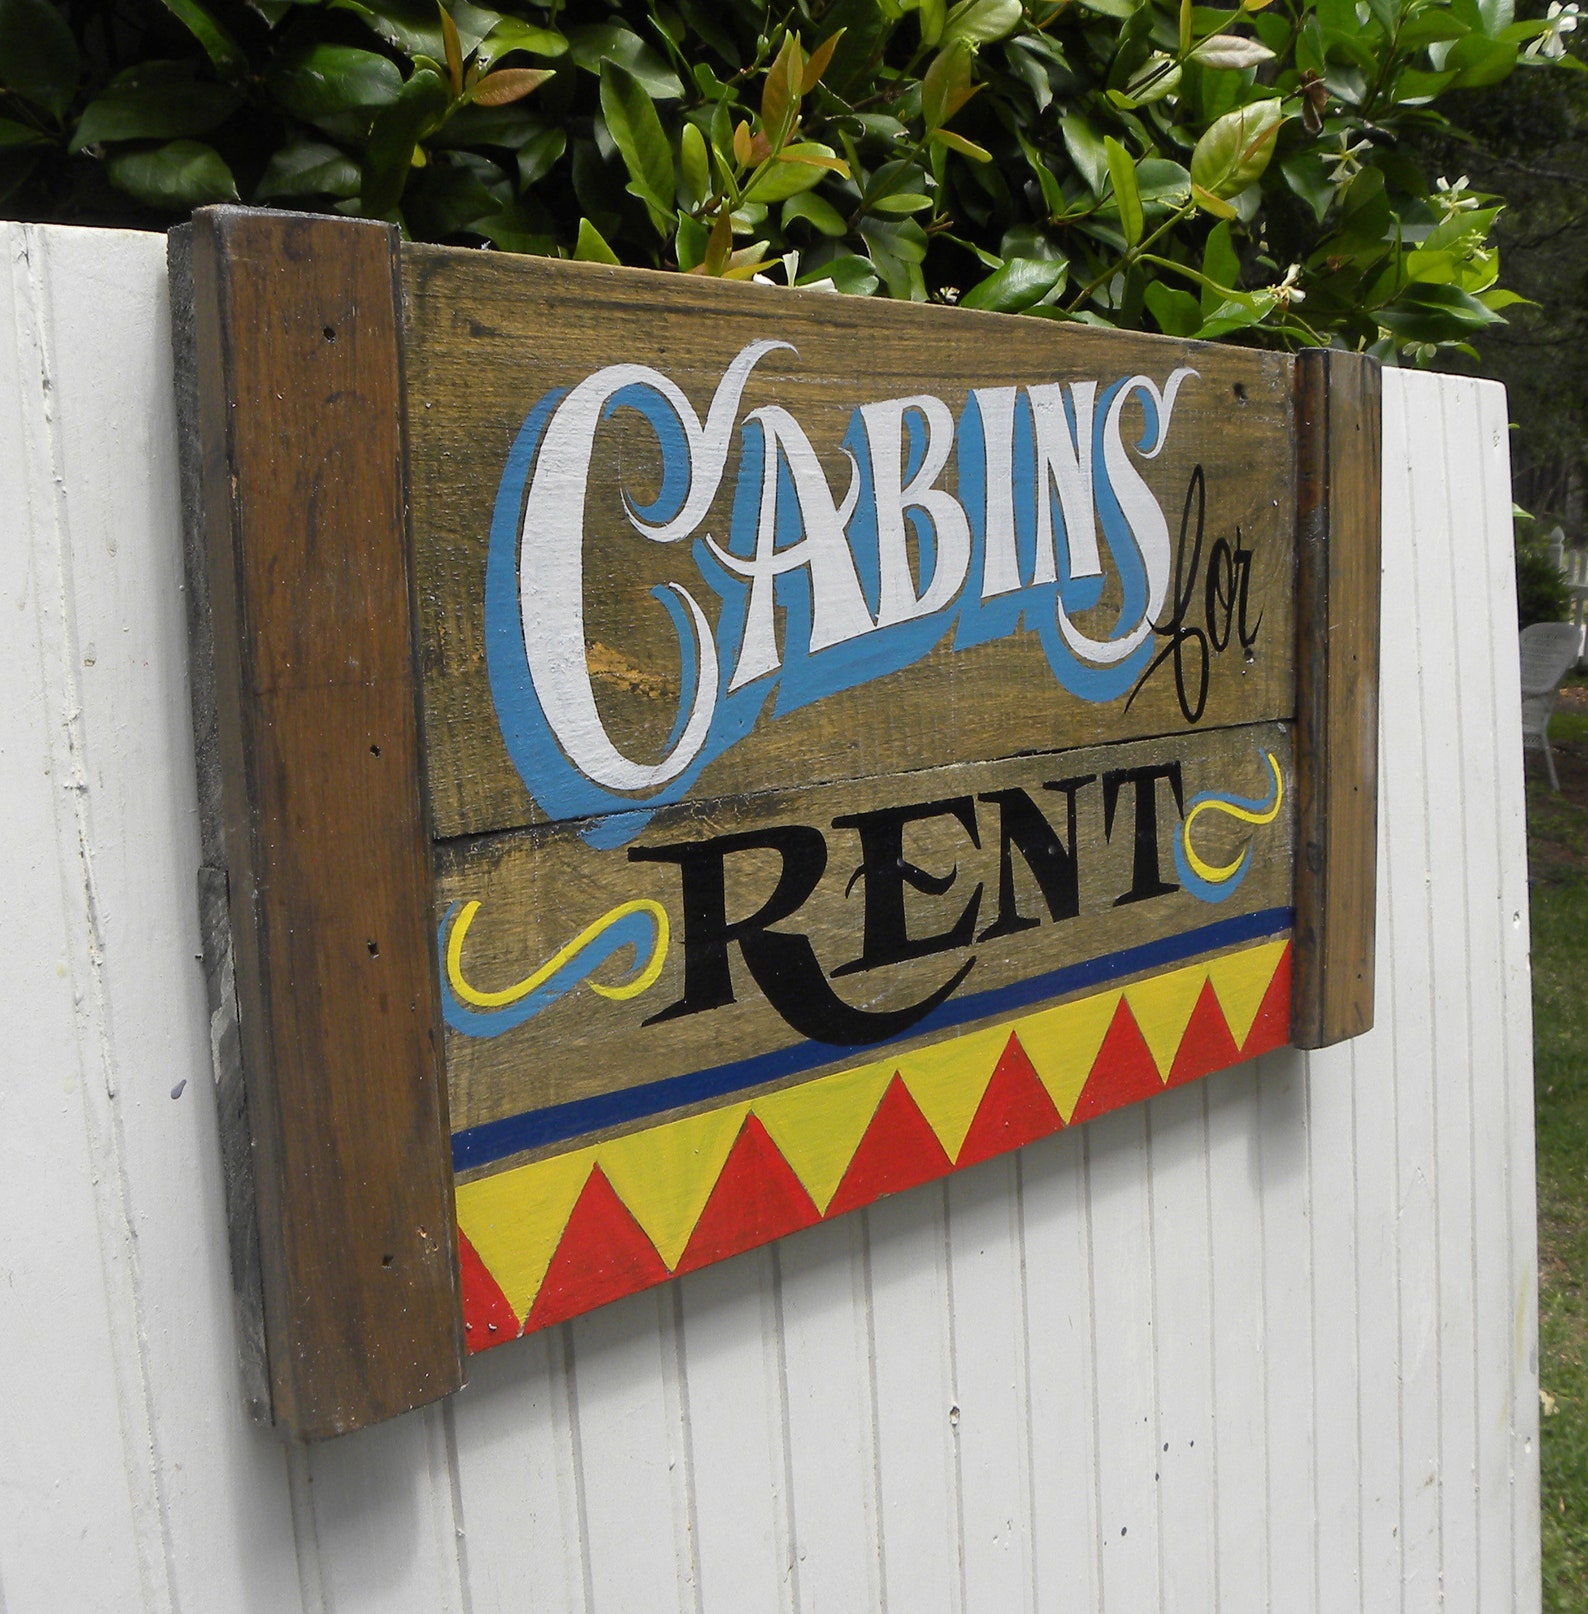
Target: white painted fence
(1264,1343)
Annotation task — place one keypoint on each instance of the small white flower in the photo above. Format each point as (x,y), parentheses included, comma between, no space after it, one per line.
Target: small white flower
(1347,161)
(1452,196)
(1287,292)
(1560,21)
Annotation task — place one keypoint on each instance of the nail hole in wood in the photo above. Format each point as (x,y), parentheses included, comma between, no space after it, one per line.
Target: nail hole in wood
(386,1260)
(1240,391)
(329,333)
(374,750)
(374,949)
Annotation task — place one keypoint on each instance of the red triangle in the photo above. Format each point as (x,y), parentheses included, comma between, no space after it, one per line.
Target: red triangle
(1271,1028)
(1123,1072)
(1014,1110)
(898,1151)
(757,1198)
(1207,1045)
(487,1318)
(603,1255)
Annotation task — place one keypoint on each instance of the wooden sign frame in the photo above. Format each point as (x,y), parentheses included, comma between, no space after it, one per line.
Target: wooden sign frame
(349,801)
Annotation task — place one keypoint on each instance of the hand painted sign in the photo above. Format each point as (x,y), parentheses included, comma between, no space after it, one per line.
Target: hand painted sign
(858,739)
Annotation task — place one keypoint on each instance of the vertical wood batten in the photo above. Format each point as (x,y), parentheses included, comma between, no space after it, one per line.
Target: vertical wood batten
(991,1389)
(1337,685)
(1461,1034)
(1182,1254)
(326,841)
(1063,1372)
(834,1486)
(1517,1160)
(912,1322)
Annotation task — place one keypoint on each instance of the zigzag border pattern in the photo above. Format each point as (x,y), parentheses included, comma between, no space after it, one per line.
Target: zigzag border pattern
(560,1236)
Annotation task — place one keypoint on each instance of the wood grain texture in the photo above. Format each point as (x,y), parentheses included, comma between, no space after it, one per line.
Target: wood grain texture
(1337,612)
(298,392)
(537,889)
(488,336)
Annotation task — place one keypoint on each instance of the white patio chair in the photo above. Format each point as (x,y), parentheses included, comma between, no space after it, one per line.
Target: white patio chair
(1549,651)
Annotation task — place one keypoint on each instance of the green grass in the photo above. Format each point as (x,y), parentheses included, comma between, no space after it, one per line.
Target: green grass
(1558,857)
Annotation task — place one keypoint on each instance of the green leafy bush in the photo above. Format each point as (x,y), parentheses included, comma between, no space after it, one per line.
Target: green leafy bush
(1152,164)
(1541,592)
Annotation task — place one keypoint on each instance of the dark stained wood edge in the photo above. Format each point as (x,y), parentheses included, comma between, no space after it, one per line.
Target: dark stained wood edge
(215,931)
(316,842)
(1339,450)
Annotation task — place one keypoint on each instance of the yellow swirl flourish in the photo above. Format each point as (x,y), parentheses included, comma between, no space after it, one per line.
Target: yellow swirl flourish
(564,955)
(1217,873)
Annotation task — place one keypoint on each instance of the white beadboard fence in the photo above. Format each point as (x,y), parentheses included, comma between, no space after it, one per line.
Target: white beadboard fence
(1263,1344)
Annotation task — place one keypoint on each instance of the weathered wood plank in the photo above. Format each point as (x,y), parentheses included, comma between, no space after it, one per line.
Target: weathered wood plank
(489,337)
(299,415)
(991,879)
(1337,663)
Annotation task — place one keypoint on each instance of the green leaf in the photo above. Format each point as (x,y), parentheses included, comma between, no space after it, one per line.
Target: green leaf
(511,34)
(1086,151)
(850,274)
(946,87)
(1161,184)
(153,103)
(14,135)
(902,202)
(608,42)
(1020,284)
(1416,88)
(1220,264)
(396,131)
(219,45)
(591,246)
(1234,151)
(791,176)
(309,168)
(1435,313)
(816,211)
(1209,203)
(447,198)
(1497,15)
(324,81)
(413,26)
(1176,311)
(1122,171)
(969,148)
(637,131)
(1480,62)
(539,155)
(690,242)
(979,21)
(1229,52)
(509,84)
(694,166)
(1307,176)
(177,177)
(38,54)
(780,92)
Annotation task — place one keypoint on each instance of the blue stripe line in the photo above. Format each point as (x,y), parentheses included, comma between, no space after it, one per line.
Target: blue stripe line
(495,1140)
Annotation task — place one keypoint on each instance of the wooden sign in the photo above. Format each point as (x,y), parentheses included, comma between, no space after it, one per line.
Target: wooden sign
(682,760)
